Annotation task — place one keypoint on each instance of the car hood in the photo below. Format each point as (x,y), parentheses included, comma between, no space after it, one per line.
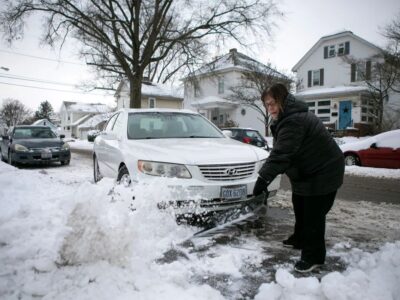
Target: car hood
(39,143)
(195,151)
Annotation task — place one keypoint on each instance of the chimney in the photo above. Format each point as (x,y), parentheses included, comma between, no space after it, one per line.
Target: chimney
(233,50)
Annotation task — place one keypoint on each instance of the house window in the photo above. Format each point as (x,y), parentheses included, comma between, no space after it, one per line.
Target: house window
(152,102)
(196,90)
(364,109)
(331,52)
(324,111)
(360,71)
(344,48)
(69,118)
(324,103)
(316,77)
(68,128)
(325,119)
(220,85)
(364,118)
(311,104)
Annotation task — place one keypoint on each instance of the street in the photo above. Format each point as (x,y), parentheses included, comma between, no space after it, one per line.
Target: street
(356,188)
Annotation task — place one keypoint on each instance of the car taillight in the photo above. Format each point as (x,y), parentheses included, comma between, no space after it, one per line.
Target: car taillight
(246,140)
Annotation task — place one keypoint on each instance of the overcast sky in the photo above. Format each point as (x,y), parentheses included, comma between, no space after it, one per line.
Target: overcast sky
(304,23)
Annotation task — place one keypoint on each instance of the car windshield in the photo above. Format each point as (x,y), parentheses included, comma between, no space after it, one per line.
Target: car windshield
(161,125)
(34,133)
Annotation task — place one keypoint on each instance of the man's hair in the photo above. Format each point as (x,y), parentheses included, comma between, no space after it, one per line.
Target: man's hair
(278,91)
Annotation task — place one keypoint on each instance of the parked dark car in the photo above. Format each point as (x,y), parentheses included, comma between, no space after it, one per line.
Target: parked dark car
(34,144)
(247,136)
(379,151)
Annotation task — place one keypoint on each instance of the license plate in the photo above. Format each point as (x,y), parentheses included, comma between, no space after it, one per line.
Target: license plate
(232,193)
(46,154)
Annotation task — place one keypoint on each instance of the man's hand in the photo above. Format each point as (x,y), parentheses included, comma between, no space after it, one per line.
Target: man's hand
(260,186)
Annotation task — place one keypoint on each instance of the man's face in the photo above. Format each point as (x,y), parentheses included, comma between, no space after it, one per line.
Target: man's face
(272,107)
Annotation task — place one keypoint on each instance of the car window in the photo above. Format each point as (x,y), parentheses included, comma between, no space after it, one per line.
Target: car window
(34,133)
(170,125)
(111,122)
(118,125)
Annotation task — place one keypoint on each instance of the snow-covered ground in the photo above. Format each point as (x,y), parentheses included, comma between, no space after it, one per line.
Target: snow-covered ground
(64,237)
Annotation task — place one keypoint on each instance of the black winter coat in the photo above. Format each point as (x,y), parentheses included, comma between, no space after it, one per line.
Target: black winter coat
(305,151)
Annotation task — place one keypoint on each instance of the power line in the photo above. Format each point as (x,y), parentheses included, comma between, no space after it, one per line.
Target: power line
(56,90)
(43,58)
(35,80)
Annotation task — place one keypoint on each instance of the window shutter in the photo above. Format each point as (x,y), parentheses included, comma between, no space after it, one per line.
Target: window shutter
(321,76)
(368,70)
(353,73)
(326,52)
(346,48)
(309,78)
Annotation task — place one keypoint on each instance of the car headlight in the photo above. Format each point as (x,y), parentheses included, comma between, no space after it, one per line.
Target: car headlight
(163,169)
(21,148)
(65,146)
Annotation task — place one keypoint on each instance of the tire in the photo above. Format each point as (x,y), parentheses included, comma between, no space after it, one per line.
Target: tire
(351,160)
(65,162)
(123,176)
(96,170)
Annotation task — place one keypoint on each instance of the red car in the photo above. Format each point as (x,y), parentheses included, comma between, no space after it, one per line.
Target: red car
(379,151)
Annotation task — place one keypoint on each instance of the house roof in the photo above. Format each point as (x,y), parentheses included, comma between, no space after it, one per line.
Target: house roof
(213,102)
(233,60)
(86,107)
(153,89)
(328,37)
(81,120)
(95,120)
(333,91)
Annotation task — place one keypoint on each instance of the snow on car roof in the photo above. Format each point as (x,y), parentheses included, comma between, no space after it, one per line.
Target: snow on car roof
(392,140)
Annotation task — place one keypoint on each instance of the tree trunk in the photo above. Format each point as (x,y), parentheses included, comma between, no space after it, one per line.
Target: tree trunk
(135,84)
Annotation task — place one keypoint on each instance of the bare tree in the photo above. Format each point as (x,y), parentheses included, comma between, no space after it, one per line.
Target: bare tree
(13,112)
(137,38)
(256,77)
(381,75)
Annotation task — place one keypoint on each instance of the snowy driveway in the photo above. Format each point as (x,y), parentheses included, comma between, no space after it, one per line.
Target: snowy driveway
(62,237)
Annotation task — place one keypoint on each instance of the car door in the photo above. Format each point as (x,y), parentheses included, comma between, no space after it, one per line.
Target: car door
(114,142)
(383,153)
(101,147)
(5,143)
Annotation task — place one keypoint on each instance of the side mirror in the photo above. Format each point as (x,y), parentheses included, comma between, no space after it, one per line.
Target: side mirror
(62,136)
(373,146)
(227,133)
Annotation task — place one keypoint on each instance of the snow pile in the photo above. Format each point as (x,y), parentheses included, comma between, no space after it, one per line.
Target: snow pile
(64,237)
(370,276)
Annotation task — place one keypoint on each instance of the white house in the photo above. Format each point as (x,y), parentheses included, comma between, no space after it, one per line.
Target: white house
(208,91)
(331,84)
(72,114)
(153,95)
(95,122)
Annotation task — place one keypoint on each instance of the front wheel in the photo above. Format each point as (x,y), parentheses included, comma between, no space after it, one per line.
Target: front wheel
(123,176)
(65,162)
(351,160)
(96,170)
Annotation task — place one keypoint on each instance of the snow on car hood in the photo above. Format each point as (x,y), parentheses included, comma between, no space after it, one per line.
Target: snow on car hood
(195,151)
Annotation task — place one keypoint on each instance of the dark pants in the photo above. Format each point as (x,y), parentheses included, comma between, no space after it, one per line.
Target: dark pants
(309,229)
